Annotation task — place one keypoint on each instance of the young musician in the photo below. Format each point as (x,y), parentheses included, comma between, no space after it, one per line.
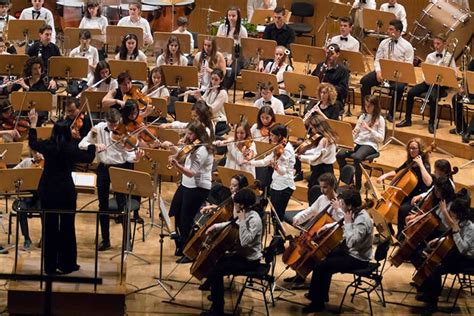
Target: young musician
(196,173)
(324,203)
(109,155)
(219,193)
(85,50)
(38,12)
(357,234)
(364,4)
(4,50)
(7,122)
(134,19)
(73,115)
(398,10)
(238,148)
(207,60)
(368,134)
(462,126)
(132,118)
(102,71)
(328,105)
(393,48)
(60,155)
(4,18)
(252,5)
(265,121)
(129,49)
(172,54)
(418,159)
(333,72)
(93,18)
(267,99)
(114,98)
(248,249)
(279,31)
(155,87)
(278,67)
(345,40)
(439,57)
(182,23)
(45,47)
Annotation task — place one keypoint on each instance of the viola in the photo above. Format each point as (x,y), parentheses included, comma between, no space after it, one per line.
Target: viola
(135,94)
(185,151)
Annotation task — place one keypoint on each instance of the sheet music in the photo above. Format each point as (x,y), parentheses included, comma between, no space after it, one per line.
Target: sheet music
(82,179)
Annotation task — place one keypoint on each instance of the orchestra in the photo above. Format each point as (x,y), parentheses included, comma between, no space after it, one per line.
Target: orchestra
(234,173)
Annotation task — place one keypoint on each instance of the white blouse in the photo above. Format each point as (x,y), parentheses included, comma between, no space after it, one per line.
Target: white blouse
(200,162)
(94,23)
(315,209)
(159,92)
(222,31)
(257,135)
(183,61)
(140,57)
(372,138)
(234,158)
(272,67)
(320,154)
(104,86)
(216,99)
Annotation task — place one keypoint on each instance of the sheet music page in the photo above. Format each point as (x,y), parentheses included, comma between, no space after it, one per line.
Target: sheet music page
(84,179)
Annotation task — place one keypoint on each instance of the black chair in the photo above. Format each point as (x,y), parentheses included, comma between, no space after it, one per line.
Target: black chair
(135,206)
(303,10)
(262,278)
(465,282)
(346,175)
(370,278)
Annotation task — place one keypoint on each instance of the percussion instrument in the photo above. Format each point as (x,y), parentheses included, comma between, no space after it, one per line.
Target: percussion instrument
(164,17)
(70,12)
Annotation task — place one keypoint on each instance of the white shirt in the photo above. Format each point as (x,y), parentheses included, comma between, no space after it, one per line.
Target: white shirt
(320,154)
(440,60)
(4,21)
(115,154)
(352,44)
(92,56)
(235,158)
(399,11)
(258,4)
(161,60)
(276,105)
(315,209)
(45,14)
(222,31)
(215,99)
(159,92)
(257,135)
(271,67)
(283,177)
(371,138)
(94,23)
(400,51)
(142,23)
(140,57)
(200,162)
(104,86)
(191,46)
(203,76)
(370,4)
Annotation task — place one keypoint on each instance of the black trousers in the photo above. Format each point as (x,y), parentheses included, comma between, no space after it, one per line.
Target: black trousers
(370,80)
(403,212)
(337,261)
(316,172)
(280,199)
(227,265)
(460,120)
(103,191)
(184,207)
(421,89)
(359,154)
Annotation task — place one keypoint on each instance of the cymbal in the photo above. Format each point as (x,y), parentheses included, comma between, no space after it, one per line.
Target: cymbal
(210,10)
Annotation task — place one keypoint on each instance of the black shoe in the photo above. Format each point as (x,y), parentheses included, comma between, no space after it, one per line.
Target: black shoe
(3,251)
(423,297)
(404,123)
(389,118)
(183,260)
(249,94)
(27,244)
(454,131)
(431,128)
(313,308)
(104,245)
(294,279)
(68,270)
(466,138)
(298,176)
(206,286)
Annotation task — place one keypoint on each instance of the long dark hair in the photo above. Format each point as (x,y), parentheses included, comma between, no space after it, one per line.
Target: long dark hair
(373,99)
(199,129)
(150,77)
(265,110)
(167,54)
(92,4)
(61,134)
(205,115)
(123,48)
(238,23)
(212,55)
(100,66)
(128,109)
(322,127)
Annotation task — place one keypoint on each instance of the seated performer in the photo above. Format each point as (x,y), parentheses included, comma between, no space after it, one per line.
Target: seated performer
(172,54)
(85,50)
(393,48)
(38,12)
(279,31)
(93,18)
(45,47)
(345,40)
(8,122)
(439,57)
(267,99)
(102,71)
(4,18)
(357,234)
(207,60)
(398,10)
(252,5)
(328,105)
(129,49)
(114,98)
(135,19)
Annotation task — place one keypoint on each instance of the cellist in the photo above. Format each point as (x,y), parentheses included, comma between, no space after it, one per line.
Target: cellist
(419,160)
(357,234)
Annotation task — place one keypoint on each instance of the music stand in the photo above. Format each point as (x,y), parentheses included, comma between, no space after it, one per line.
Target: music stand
(262,147)
(376,20)
(439,76)
(169,135)
(71,37)
(68,67)
(354,61)
(337,10)
(308,55)
(24,30)
(226,174)
(397,72)
(470,87)
(130,182)
(12,65)
(160,107)
(302,85)
(138,70)
(262,17)
(11,152)
(180,76)
(183,111)
(235,112)
(252,80)
(160,40)
(257,48)
(94,99)
(224,44)
(344,133)
(25,101)
(294,124)
(115,34)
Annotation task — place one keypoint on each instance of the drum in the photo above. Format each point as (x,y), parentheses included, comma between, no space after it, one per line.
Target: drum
(70,12)
(115,12)
(442,17)
(163,18)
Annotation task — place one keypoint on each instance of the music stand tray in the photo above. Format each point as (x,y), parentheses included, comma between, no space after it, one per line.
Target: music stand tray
(12,65)
(160,107)
(138,70)
(258,48)
(27,30)
(307,54)
(262,16)
(262,147)
(160,40)
(71,37)
(24,101)
(226,174)
(294,124)
(68,67)
(353,60)
(301,85)
(251,80)
(115,34)
(180,76)
(235,112)
(224,44)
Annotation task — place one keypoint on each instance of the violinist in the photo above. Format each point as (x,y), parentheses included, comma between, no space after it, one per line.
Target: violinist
(328,106)
(196,170)
(267,98)
(248,249)
(129,49)
(282,160)
(456,218)
(85,50)
(355,254)
(215,97)
(207,60)
(7,121)
(327,184)
(82,124)
(108,156)
(115,98)
(333,72)
(133,120)
(172,54)
(265,121)
(368,134)
(102,71)
(418,159)
(240,148)
(321,153)
(156,88)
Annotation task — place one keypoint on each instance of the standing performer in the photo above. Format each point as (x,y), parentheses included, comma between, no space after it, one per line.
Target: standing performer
(60,154)
(38,12)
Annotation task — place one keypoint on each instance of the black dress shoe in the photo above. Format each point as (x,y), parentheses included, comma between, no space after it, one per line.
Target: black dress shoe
(294,279)
(431,128)
(313,308)
(67,270)
(206,286)
(183,260)
(404,123)
(389,118)
(3,251)
(299,176)
(466,138)
(104,245)
(454,131)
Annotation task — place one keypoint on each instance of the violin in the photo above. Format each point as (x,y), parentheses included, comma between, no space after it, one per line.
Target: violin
(77,125)
(146,134)
(128,141)
(308,143)
(244,146)
(21,125)
(135,94)
(38,163)
(184,152)
(265,131)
